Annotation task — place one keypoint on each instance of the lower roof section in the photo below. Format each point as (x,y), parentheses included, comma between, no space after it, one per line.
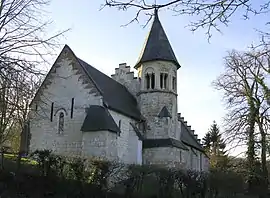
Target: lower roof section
(98,118)
(168,142)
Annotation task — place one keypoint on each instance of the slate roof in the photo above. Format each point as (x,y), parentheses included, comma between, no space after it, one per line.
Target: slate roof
(157,46)
(115,95)
(188,138)
(164,113)
(98,119)
(153,143)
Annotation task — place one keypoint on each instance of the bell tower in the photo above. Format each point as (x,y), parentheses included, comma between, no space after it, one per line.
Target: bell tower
(157,67)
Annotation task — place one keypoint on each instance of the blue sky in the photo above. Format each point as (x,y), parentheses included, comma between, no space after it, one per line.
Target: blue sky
(96,37)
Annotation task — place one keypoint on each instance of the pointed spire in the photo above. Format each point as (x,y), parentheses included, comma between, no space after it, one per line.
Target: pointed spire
(157,45)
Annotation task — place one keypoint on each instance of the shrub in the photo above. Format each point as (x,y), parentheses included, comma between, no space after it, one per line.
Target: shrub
(86,177)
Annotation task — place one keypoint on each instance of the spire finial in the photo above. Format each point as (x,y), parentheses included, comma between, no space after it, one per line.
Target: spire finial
(156,11)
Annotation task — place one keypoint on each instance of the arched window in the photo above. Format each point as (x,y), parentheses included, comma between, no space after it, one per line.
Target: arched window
(61,123)
(152,80)
(149,78)
(163,80)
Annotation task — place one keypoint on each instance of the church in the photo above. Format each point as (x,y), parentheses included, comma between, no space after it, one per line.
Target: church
(79,111)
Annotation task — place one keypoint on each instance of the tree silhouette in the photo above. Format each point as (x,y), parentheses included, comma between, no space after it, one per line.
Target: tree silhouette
(207,141)
(215,146)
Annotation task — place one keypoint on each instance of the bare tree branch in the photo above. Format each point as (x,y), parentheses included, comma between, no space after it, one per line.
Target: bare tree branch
(208,14)
(26,46)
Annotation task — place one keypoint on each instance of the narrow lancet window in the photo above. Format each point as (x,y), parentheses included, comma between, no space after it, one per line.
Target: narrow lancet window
(61,123)
(72,106)
(52,111)
(165,80)
(152,80)
(147,79)
(161,80)
(174,83)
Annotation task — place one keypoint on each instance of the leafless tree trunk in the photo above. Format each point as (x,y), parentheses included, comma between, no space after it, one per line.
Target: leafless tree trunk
(246,103)
(261,98)
(15,95)
(25,47)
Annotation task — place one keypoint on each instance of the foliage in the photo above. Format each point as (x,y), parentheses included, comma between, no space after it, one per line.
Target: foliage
(24,160)
(215,146)
(85,178)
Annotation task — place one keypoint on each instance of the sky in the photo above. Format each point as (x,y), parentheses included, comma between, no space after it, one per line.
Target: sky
(98,38)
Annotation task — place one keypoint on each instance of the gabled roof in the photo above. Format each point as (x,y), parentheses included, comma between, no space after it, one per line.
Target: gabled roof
(99,119)
(157,46)
(164,113)
(115,95)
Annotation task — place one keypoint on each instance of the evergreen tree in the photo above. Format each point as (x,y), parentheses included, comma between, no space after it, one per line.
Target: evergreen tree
(215,146)
(207,142)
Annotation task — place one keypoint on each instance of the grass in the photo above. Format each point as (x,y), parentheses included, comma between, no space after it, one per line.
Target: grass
(24,160)
(27,165)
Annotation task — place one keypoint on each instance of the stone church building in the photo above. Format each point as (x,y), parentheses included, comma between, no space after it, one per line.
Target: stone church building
(79,111)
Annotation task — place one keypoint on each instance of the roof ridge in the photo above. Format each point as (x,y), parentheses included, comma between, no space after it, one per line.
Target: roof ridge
(126,105)
(103,75)
(89,75)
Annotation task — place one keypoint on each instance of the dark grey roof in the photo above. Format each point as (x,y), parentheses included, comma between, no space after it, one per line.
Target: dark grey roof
(115,95)
(169,142)
(188,138)
(164,113)
(98,119)
(157,46)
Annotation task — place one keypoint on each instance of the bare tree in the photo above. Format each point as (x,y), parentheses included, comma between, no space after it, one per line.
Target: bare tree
(16,91)
(245,98)
(240,120)
(25,42)
(26,46)
(261,99)
(210,14)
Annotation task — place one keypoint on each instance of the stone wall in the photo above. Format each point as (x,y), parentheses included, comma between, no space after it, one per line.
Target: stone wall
(168,156)
(124,76)
(101,144)
(127,141)
(65,81)
(151,101)
(205,163)
(151,104)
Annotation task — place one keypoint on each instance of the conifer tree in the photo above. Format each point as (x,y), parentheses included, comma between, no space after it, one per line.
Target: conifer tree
(215,146)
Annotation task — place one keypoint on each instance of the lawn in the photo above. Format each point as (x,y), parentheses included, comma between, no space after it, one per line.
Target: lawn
(24,160)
